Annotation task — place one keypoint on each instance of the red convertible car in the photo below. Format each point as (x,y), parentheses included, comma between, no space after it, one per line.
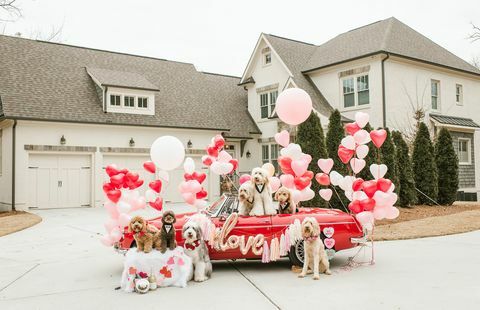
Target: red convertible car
(347,231)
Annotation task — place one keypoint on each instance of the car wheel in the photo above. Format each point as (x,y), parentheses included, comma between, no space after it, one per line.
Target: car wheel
(296,253)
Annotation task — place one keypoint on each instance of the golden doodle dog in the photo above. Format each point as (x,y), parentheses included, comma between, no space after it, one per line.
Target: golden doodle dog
(314,251)
(245,199)
(286,205)
(145,237)
(262,193)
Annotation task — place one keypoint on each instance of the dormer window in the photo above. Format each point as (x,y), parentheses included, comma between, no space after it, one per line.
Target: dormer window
(143,102)
(115,100)
(267,56)
(129,101)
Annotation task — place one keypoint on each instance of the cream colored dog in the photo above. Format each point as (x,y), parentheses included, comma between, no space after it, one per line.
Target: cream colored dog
(245,198)
(262,193)
(315,257)
(286,205)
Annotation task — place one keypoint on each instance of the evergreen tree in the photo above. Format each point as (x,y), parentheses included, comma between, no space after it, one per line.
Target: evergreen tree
(388,157)
(371,158)
(407,195)
(424,167)
(447,167)
(311,138)
(335,134)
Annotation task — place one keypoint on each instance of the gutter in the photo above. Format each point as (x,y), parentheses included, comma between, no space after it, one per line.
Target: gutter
(105,100)
(384,104)
(14,137)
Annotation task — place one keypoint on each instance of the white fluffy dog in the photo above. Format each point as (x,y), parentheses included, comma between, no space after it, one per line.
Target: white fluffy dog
(245,198)
(262,193)
(196,248)
(314,251)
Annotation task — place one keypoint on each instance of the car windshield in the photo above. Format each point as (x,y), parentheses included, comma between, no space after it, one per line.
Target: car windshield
(213,209)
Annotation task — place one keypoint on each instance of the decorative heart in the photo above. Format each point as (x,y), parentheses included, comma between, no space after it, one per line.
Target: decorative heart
(285,164)
(355,207)
(224,157)
(385,199)
(378,137)
(329,243)
(207,160)
(346,183)
(136,184)
(345,154)
(149,166)
(362,151)
(165,272)
(287,180)
(171,261)
(117,179)
(234,163)
(362,137)
(108,187)
(335,178)
(189,198)
(322,179)
(357,164)
(156,185)
(180,261)
(157,204)
(326,193)
(294,151)
(132,176)
(212,151)
(308,174)
(274,183)
(282,138)
(199,176)
(348,142)
(351,128)
(325,165)
(328,232)
(357,184)
(299,167)
(369,187)
(361,119)
(112,170)
(244,178)
(384,184)
(367,204)
(378,171)
(301,182)
(330,253)
(201,194)
(219,141)
(114,195)
(359,195)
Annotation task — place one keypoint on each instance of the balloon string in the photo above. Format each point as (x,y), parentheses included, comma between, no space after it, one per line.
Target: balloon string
(341,201)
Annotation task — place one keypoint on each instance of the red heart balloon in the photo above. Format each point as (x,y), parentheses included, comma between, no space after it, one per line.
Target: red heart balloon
(199,176)
(322,179)
(132,176)
(352,128)
(345,154)
(108,187)
(308,174)
(369,187)
(156,185)
(112,170)
(286,165)
(212,151)
(357,184)
(124,171)
(114,195)
(301,182)
(234,162)
(149,166)
(134,185)
(202,194)
(207,160)
(367,204)
(157,204)
(187,176)
(117,179)
(355,207)
(378,137)
(384,184)
(219,141)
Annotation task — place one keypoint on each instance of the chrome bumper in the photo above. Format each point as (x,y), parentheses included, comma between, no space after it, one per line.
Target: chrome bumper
(360,240)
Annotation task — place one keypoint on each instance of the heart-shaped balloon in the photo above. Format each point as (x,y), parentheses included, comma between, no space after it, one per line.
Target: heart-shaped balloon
(244,178)
(124,219)
(287,180)
(367,204)
(361,119)
(348,142)
(392,213)
(359,195)
(299,167)
(157,204)
(219,141)
(357,184)
(224,157)
(361,137)
(301,182)
(329,243)
(274,183)
(384,200)
(379,213)
(132,176)
(326,193)
(189,198)
(294,151)
(328,232)
(345,154)
(212,151)
(351,128)
(114,195)
(108,187)
(221,168)
(362,151)
(378,137)
(189,165)
(199,176)
(156,185)
(357,165)
(282,138)
(306,194)
(117,179)
(207,160)
(369,187)
(384,184)
(308,174)
(365,218)
(378,171)
(322,179)
(335,178)
(234,163)
(355,207)
(112,170)
(285,164)
(325,164)
(149,166)
(202,194)
(346,183)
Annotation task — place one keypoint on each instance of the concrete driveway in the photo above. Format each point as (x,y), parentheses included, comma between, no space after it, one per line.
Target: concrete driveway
(60,263)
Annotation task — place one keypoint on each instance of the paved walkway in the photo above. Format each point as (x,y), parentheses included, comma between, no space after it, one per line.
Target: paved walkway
(60,263)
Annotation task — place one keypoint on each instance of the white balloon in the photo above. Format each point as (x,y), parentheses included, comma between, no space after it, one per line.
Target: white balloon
(123,207)
(115,235)
(378,171)
(361,119)
(167,153)
(346,183)
(294,151)
(362,151)
(163,175)
(306,194)
(335,178)
(201,204)
(189,165)
(326,194)
(362,137)
(150,195)
(221,168)
(348,142)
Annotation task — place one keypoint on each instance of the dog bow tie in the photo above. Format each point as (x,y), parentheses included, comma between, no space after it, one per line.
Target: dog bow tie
(132,234)
(192,246)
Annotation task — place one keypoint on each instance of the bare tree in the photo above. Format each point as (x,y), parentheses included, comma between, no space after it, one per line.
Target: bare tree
(9,8)
(475,61)
(475,35)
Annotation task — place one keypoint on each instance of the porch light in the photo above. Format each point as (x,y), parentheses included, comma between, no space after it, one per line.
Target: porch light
(63,141)
(189,144)
(132,142)
(248,154)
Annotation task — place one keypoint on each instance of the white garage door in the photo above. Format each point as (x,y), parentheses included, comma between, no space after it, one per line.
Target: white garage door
(135,163)
(59,181)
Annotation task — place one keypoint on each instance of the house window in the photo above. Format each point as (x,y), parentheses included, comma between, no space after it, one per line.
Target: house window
(267,103)
(270,154)
(435,91)
(273,100)
(356,91)
(363,93)
(267,59)
(264,105)
(129,101)
(464,151)
(459,94)
(265,157)
(348,93)
(143,102)
(115,100)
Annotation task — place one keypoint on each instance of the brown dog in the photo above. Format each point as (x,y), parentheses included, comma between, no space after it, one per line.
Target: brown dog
(286,205)
(167,233)
(145,238)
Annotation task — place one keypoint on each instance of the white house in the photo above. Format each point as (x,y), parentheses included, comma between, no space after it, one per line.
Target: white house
(66,112)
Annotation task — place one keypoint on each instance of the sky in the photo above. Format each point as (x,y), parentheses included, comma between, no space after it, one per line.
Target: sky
(219,36)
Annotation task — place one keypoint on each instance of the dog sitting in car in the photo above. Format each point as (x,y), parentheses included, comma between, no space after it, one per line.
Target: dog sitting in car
(262,193)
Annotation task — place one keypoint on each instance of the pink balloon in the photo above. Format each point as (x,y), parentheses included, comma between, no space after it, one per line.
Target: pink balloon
(378,137)
(293,106)
(361,119)
(325,164)
(379,213)
(287,180)
(365,218)
(224,157)
(115,235)
(326,193)
(106,241)
(282,138)
(244,178)
(189,198)
(124,219)
(110,224)
(357,164)
(274,183)
(392,213)
(112,209)
(299,167)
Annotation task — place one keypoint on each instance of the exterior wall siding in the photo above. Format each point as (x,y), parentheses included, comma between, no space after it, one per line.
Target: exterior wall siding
(466,173)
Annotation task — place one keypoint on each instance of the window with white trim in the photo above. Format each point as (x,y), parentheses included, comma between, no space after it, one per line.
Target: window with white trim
(463,152)
(142,102)
(459,94)
(267,103)
(129,101)
(267,58)
(435,94)
(115,100)
(270,154)
(356,91)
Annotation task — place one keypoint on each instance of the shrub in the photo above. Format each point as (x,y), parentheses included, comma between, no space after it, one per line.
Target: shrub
(407,195)
(424,167)
(447,167)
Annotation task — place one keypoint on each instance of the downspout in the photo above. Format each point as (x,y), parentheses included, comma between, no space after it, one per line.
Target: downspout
(14,137)
(384,104)
(105,100)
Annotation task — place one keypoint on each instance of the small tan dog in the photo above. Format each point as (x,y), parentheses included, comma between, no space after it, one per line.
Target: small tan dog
(245,198)
(286,205)
(145,237)
(314,251)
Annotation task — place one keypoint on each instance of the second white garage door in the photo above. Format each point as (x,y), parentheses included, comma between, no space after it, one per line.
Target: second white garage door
(135,163)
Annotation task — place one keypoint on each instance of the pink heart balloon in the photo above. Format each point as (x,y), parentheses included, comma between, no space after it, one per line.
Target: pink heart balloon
(362,137)
(378,137)
(274,183)
(361,151)
(392,213)
(244,178)
(287,180)
(224,157)
(282,138)
(357,164)
(189,198)
(326,194)
(361,119)
(299,167)
(325,164)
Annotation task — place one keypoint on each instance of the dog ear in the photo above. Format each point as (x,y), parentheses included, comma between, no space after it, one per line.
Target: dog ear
(316,227)
(198,231)
(130,229)
(276,194)
(144,226)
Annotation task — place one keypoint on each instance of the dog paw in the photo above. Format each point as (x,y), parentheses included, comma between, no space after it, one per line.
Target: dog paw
(200,279)
(302,275)
(328,272)
(316,277)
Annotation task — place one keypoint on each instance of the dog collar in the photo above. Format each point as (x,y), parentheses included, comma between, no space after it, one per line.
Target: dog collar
(259,190)
(285,206)
(191,246)
(132,234)
(311,238)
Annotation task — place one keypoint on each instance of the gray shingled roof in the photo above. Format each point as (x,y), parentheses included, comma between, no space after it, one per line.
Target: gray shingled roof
(48,81)
(121,79)
(389,35)
(454,120)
